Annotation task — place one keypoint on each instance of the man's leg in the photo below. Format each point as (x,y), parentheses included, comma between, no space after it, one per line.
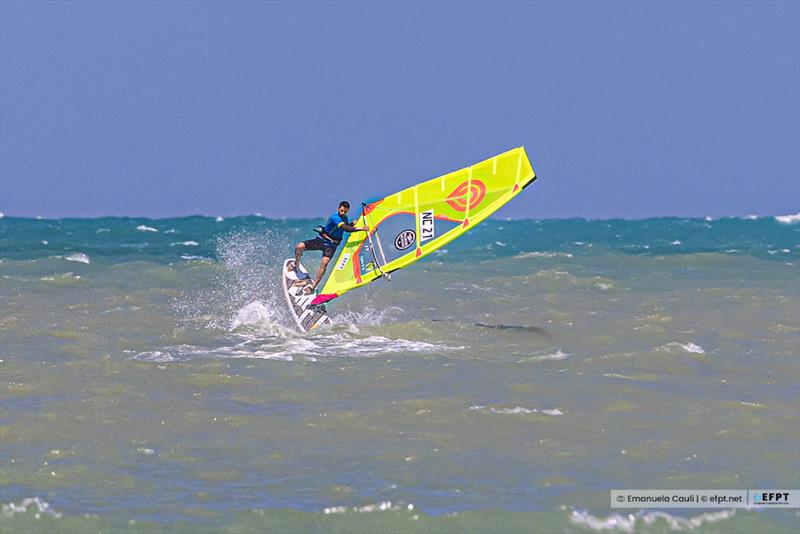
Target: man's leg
(298,253)
(323,266)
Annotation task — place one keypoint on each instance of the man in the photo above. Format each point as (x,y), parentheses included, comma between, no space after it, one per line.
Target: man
(329,238)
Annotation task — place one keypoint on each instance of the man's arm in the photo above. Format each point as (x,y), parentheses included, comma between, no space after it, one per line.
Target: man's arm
(350,228)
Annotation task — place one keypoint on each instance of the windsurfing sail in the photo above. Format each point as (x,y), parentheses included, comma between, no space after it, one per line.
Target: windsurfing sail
(412,223)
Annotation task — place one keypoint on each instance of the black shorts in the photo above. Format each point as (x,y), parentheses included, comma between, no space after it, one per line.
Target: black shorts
(319,244)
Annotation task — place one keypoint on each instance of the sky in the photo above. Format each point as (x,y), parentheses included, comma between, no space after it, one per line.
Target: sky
(626,109)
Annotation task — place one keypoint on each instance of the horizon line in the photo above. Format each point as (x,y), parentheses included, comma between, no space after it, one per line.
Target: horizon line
(221,218)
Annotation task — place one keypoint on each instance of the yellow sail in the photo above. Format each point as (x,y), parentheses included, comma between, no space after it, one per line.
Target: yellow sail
(412,223)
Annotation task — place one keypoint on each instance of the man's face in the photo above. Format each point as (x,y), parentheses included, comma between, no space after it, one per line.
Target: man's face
(343,210)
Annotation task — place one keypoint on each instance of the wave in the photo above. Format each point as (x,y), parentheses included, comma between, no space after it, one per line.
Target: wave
(788,219)
(631,523)
(41,506)
(675,346)
(79,257)
(515,410)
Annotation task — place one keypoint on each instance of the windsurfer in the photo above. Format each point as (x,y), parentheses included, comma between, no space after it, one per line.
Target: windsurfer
(328,239)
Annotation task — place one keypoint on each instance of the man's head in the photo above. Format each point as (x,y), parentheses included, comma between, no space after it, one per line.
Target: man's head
(344,207)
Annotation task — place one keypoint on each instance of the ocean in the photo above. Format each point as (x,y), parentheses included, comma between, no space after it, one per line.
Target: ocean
(152,380)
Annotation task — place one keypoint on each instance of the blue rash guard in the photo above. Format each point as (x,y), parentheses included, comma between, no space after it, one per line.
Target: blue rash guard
(333,227)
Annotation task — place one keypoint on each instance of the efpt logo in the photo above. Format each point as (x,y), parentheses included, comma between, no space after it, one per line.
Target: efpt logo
(771,498)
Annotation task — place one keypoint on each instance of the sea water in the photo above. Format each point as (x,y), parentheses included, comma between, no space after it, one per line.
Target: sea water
(153,380)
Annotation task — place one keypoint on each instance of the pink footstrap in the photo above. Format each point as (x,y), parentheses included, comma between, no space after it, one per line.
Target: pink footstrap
(325,297)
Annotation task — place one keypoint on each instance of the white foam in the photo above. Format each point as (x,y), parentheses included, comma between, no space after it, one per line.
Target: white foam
(627,523)
(219,219)
(385,506)
(185,244)
(788,219)
(684,347)
(2,214)
(143,228)
(514,411)
(61,277)
(751,217)
(41,505)
(258,317)
(382,345)
(79,257)
(544,255)
(171,231)
(154,356)
(190,257)
(557,355)
(676,242)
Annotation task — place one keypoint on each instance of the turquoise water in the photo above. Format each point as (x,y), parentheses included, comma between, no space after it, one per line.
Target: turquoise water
(152,378)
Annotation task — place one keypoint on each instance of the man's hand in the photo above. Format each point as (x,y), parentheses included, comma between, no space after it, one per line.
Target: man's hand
(364,228)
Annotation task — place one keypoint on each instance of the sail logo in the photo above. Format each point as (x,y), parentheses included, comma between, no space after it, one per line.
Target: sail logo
(426,226)
(405,239)
(474,191)
(343,261)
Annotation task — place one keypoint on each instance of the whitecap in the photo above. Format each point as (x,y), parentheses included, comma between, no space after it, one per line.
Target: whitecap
(79,257)
(41,505)
(154,356)
(2,214)
(690,347)
(627,523)
(676,242)
(557,355)
(219,219)
(544,255)
(751,217)
(61,277)
(516,410)
(383,506)
(171,231)
(143,228)
(185,244)
(788,219)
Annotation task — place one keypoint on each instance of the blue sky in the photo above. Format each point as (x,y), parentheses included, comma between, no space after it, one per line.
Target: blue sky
(626,109)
